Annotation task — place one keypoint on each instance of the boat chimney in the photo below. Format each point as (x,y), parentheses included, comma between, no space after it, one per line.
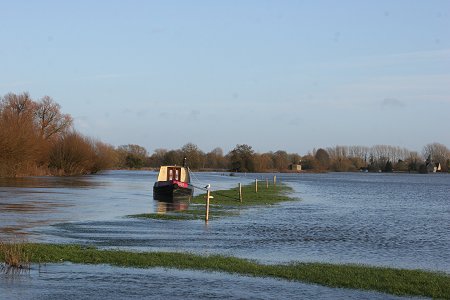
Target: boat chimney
(184,162)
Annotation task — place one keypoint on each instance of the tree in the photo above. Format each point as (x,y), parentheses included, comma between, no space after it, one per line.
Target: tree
(323,159)
(173,157)
(437,153)
(35,139)
(20,147)
(193,155)
(132,156)
(50,120)
(72,154)
(157,158)
(280,160)
(215,159)
(105,156)
(388,167)
(241,158)
(414,161)
(263,162)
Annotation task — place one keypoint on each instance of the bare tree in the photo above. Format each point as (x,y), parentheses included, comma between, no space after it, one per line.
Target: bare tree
(438,152)
(19,144)
(50,120)
(18,105)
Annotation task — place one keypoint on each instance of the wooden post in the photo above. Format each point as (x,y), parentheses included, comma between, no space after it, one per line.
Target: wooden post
(240,192)
(275,180)
(267,183)
(208,195)
(256,185)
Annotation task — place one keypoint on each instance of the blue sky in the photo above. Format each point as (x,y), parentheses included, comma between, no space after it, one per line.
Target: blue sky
(291,75)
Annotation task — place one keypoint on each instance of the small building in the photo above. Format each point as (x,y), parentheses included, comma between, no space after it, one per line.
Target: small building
(437,167)
(433,167)
(295,167)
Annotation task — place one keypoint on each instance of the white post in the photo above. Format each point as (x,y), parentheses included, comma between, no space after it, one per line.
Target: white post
(208,195)
(256,185)
(240,192)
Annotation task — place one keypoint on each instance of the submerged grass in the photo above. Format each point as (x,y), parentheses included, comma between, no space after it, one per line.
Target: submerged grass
(226,202)
(194,212)
(387,280)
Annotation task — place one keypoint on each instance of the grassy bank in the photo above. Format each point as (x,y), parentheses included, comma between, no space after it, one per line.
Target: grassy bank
(387,280)
(226,202)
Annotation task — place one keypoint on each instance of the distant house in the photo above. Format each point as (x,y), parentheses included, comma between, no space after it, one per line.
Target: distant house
(437,167)
(433,167)
(295,167)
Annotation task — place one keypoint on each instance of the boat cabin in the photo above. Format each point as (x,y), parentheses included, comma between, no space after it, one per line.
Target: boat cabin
(173,173)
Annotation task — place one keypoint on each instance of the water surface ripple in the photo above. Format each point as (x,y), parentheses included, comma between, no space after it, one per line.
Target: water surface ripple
(395,220)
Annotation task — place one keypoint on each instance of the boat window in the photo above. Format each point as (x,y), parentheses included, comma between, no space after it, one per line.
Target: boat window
(174,174)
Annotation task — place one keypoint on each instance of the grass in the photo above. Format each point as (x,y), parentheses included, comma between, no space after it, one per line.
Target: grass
(15,256)
(386,280)
(194,212)
(264,196)
(226,202)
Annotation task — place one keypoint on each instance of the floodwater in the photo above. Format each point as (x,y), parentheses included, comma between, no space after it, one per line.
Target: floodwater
(395,220)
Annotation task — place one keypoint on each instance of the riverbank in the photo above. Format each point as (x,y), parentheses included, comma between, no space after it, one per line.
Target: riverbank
(227,202)
(387,280)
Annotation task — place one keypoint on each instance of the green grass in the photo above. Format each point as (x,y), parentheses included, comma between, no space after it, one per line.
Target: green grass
(264,196)
(226,202)
(194,212)
(387,280)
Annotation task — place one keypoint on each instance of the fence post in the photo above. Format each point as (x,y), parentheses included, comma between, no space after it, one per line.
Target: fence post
(275,180)
(240,192)
(256,185)
(208,196)
(267,183)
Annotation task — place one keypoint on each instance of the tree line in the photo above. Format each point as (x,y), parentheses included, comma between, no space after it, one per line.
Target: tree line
(378,158)
(36,138)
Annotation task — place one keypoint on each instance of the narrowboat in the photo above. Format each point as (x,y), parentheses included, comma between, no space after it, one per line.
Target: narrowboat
(173,184)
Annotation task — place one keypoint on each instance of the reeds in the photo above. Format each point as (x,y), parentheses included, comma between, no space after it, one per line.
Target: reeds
(16,258)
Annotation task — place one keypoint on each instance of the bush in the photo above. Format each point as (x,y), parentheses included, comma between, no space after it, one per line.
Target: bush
(72,154)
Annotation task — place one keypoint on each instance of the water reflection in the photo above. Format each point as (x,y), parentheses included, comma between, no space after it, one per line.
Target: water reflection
(48,182)
(31,202)
(163,207)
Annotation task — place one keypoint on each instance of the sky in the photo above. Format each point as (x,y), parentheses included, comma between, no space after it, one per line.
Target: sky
(276,75)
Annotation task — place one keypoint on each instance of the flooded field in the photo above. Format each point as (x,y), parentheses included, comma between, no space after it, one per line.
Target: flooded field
(395,220)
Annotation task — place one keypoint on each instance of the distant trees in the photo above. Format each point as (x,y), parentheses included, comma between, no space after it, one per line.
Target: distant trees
(338,158)
(243,158)
(131,156)
(216,160)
